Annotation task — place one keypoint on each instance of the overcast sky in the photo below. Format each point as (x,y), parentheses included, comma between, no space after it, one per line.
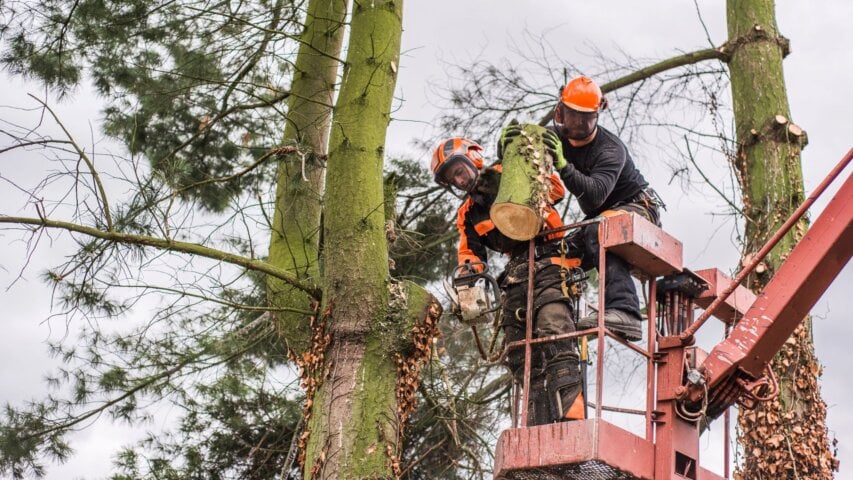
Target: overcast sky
(818,73)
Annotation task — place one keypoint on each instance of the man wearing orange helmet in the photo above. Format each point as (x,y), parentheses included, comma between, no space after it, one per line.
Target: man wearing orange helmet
(597,169)
(555,376)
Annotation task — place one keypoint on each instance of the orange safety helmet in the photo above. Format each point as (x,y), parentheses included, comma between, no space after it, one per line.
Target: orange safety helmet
(452,150)
(583,95)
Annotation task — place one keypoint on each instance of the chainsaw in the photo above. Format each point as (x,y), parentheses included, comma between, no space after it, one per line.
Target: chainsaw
(477,293)
(477,300)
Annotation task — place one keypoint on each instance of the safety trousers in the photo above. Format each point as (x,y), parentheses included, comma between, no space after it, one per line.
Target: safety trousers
(555,379)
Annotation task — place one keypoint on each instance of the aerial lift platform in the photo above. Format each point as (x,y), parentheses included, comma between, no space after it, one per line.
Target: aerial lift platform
(685,385)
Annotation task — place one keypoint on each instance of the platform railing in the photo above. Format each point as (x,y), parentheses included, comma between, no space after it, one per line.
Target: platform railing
(520,395)
(576,449)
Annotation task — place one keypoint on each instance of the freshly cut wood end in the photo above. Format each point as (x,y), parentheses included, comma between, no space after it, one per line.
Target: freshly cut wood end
(795,130)
(518,222)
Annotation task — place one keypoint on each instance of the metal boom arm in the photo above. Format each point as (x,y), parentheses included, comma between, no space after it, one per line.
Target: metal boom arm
(812,265)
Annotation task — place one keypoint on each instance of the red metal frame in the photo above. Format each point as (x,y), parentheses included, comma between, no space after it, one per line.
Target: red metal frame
(670,447)
(786,300)
(573,448)
(734,305)
(783,230)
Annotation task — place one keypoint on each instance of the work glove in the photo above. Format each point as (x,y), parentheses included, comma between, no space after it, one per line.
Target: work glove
(512,130)
(554,146)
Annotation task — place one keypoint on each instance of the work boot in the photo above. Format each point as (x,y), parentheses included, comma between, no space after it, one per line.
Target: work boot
(621,323)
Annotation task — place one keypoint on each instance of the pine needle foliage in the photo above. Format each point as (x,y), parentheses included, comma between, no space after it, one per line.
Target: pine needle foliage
(194,87)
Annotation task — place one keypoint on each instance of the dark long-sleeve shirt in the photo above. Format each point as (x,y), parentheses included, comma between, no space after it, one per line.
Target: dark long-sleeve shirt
(601,173)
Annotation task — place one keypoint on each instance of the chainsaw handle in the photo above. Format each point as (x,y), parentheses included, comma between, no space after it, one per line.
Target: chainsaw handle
(465,272)
(495,288)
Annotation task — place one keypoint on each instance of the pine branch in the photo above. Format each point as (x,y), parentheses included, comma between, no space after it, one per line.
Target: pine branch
(174,246)
(148,382)
(228,178)
(206,298)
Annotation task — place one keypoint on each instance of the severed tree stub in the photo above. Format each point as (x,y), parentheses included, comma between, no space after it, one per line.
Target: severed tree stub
(521,205)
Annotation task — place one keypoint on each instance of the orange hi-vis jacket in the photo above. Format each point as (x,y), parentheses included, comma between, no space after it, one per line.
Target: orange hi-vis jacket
(477,232)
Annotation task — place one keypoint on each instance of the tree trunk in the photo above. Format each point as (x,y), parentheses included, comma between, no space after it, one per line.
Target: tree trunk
(785,437)
(520,207)
(295,238)
(354,422)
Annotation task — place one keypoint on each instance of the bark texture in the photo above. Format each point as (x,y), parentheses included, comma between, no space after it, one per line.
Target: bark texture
(354,425)
(520,207)
(785,438)
(295,240)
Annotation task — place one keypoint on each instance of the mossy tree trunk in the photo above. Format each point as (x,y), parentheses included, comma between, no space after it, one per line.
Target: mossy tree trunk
(786,437)
(520,207)
(295,237)
(355,416)
(359,357)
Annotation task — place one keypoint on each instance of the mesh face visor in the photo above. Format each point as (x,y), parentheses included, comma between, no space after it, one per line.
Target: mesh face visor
(447,167)
(574,124)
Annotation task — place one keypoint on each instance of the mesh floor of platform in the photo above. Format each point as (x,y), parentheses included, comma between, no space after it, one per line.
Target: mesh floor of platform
(591,470)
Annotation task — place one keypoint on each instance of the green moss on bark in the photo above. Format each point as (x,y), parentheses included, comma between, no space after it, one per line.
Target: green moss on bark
(520,206)
(374,426)
(357,399)
(408,307)
(294,243)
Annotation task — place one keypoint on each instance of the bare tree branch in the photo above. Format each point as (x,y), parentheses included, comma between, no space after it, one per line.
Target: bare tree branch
(105,206)
(651,70)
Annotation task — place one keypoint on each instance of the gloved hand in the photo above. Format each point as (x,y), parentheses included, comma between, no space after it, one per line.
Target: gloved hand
(555,147)
(512,130)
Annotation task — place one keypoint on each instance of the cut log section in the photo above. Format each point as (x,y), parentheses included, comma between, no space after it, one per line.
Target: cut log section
(521,205)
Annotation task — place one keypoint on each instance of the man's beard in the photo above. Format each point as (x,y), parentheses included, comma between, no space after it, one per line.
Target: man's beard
(574,133)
